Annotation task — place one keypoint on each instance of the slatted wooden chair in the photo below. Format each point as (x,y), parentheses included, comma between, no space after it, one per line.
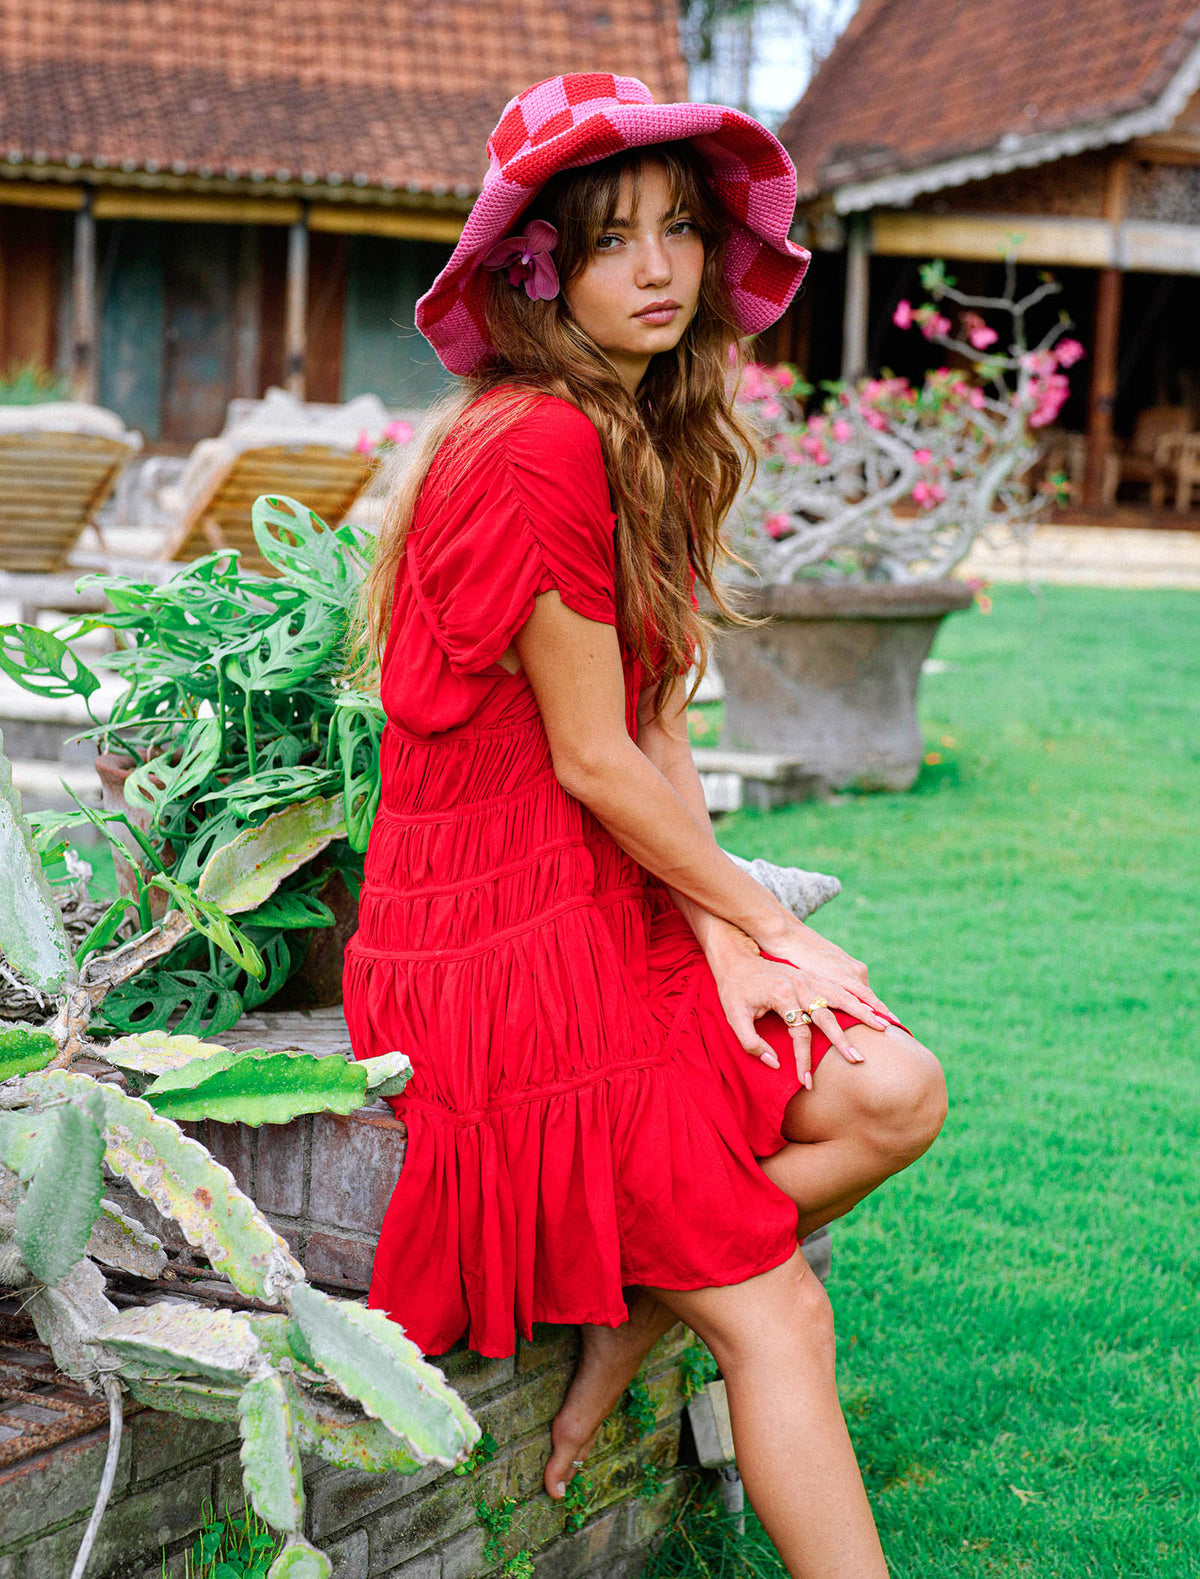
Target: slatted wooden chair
(51,486)
(326,479)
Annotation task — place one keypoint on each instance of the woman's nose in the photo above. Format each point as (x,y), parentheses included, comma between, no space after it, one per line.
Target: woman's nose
(654,265)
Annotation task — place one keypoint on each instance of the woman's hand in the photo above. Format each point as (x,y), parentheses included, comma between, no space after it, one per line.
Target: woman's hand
(751,985)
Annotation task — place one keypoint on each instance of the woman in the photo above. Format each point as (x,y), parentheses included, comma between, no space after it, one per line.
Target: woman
(613,1118)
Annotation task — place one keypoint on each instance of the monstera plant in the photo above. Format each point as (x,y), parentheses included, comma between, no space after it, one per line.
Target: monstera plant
(320,1375)
(233,712)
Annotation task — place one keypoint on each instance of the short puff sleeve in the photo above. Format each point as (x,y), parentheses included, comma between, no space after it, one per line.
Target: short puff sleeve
(531,514)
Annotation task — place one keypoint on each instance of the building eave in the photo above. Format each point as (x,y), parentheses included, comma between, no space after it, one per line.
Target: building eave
(1014,152)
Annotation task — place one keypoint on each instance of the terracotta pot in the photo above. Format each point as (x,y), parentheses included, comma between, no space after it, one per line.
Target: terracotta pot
(833,679)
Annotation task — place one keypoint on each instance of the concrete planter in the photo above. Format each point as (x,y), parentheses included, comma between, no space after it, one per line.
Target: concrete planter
(832,681)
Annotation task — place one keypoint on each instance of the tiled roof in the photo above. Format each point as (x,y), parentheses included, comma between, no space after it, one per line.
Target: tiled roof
(916,83)
(377,93)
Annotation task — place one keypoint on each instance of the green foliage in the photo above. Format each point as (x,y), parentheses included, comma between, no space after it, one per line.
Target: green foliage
(369,1358)
(696,1368)
(270,1455)
(639,1406)
(703,1541)
(258,1086)
(29,384)
(496,1521)
(54,1221)
(183,1181)
(578,1495)
(482,1453)
(239,1546)
(519,1566)
(245,740)
(652,1481)
(24,1048)
(32,937)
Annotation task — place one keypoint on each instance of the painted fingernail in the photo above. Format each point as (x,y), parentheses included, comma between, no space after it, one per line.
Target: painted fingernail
(770,1060)
(561,1488)
(854,1056)
(806,1080)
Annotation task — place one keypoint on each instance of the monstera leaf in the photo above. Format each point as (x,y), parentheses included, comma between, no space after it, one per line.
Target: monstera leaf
(296,541)
(289,650)
(43,664)
(166,778)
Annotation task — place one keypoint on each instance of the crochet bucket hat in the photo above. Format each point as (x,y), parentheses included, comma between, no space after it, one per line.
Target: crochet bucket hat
(580,118)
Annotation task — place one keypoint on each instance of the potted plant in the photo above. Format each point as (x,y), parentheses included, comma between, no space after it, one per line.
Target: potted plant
(856,517)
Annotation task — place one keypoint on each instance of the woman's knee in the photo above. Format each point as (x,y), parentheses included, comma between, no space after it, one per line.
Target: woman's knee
(903,1103)
(781,1315)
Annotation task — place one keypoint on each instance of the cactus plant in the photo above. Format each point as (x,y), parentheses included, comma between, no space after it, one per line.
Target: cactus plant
(59,1128)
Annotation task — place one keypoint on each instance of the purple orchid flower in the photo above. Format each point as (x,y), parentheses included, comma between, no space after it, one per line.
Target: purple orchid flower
(528,261)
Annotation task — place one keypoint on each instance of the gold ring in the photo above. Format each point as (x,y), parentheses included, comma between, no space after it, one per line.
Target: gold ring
(817,1003)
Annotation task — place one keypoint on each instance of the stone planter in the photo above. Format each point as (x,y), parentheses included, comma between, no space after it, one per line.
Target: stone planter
(832,681)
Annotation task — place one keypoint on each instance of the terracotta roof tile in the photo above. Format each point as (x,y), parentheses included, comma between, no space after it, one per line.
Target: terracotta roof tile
(914,82)
(393,92)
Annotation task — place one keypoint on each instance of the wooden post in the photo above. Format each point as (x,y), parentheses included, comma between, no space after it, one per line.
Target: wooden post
(1102,392)
(83,299)
(295,333)
(247,314)
(857,305)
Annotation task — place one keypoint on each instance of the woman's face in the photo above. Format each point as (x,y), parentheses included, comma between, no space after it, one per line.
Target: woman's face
(639,290)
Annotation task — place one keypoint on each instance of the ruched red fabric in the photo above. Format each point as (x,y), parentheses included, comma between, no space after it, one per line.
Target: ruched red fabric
(581,1117)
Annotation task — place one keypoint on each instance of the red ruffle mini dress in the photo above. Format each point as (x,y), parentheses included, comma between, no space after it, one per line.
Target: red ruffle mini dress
(581,1117)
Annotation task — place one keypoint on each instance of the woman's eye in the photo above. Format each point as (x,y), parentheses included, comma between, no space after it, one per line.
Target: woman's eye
(600,247)
(685,224)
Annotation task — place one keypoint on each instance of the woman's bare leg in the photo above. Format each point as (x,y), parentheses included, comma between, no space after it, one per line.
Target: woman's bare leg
(772,1336)
(859,1124)
(609,1359)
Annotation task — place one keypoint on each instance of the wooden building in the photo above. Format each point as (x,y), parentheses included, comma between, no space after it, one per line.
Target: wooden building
(198,200)
(939,128)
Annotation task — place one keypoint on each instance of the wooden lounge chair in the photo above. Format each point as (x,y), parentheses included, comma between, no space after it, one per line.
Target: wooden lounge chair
(52,483)
(1139,460)
(326,479)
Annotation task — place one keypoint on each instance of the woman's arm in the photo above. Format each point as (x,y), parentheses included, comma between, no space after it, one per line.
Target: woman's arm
(574,669)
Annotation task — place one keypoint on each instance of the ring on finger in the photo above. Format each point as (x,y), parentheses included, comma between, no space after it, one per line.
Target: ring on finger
(817,1003)
(793,1015)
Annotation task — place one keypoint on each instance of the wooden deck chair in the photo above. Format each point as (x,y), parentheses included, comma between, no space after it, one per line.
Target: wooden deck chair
(325,479)
(51,486)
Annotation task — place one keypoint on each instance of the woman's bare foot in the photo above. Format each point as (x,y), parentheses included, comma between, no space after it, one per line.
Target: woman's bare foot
(608,1361)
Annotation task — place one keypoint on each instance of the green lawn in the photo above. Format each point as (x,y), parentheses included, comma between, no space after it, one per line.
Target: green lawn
(1018,1312)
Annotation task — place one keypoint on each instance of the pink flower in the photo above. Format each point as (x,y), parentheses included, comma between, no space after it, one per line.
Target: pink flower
(928,494)
(981,336)
(779,524)
(922,457)
(841,431)
(1069,352)
(398,432)
(754,384)
(935,324)
(364,445)
(784,377)
(528,260)
(876,420)
(794,458)
(1041,363)
(770,409)
(903,316)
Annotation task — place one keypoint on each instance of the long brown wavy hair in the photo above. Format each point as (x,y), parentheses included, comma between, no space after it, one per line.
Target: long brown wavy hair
(675,453)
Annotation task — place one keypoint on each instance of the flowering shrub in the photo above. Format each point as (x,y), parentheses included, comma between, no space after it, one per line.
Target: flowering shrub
(398,432)
(888,482)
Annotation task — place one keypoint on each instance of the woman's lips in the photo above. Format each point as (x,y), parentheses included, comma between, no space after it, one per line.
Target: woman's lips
(658,315)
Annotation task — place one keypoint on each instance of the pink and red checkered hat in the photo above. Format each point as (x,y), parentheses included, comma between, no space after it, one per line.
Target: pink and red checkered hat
(585,116)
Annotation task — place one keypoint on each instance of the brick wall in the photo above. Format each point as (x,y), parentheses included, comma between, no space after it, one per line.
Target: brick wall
(325,1183)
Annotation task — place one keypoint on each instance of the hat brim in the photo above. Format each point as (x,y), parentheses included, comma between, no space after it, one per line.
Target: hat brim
(751,177)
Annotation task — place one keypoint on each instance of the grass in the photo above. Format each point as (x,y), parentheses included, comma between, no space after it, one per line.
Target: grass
(1017,1313)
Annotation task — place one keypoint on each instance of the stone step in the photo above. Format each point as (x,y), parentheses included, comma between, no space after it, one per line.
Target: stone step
(40,784)
(732,779)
